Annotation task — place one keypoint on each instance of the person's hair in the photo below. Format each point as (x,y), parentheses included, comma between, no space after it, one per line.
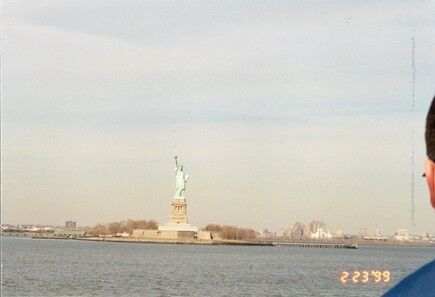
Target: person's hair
(430,131)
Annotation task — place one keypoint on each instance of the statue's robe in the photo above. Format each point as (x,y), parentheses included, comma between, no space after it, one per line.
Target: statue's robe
(180,183)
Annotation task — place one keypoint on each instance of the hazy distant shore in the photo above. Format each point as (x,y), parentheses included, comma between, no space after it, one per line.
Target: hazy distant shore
(251,242)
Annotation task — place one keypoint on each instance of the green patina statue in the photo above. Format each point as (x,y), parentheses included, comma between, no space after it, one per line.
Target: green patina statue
(180,180)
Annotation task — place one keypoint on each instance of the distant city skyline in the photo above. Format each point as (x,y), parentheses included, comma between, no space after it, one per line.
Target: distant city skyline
(280,112)
(293,231)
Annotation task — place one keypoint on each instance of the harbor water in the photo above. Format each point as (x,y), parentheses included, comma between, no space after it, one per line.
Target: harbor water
(39,267)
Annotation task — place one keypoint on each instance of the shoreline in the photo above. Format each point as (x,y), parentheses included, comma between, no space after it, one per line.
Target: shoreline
(342,244)
(178,241)
(260,242)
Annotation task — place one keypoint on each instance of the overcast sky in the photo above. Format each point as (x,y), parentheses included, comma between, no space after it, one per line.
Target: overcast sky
(280,111)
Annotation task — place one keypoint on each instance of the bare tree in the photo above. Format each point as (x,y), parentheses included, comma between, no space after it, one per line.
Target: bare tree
(213,227)
(122,226)
(231,232)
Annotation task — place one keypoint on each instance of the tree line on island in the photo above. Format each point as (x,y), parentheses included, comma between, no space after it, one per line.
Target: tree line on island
(231,232)
(127,226)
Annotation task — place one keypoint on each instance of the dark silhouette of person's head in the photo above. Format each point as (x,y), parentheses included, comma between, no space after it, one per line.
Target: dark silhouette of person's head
(430,151)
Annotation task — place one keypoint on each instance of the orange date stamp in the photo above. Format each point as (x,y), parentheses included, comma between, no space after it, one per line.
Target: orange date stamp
(364,276)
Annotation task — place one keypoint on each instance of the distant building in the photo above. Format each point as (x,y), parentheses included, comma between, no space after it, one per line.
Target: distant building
(123,234)
(314,226)
(7,227)
(264,233)
(319,234)
(372,234)
(339,233)
(282,233)
(70,225)
(363,233)
(299,231)
(401,234)
(378,232)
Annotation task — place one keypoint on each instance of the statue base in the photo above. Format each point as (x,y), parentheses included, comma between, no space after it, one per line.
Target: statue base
(178,217)
(178,214)
(177,227)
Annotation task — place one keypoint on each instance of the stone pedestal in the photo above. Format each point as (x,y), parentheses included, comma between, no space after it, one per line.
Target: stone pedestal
(178,227)
(178,217)
(178,213)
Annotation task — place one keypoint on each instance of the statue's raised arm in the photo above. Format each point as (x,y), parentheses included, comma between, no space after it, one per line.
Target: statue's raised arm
(176,162)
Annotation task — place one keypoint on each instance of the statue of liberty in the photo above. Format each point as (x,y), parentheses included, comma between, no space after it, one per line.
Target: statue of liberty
(180,180)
